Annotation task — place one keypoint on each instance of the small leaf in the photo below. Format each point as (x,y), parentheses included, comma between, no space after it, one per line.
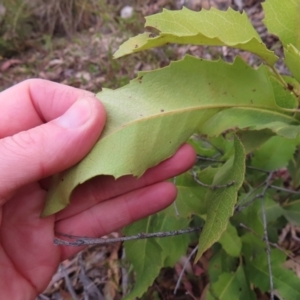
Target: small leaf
(190,196)
(292,59)
(282,18)
(230,241)
(274,154)
(220,263)
(200,28)
(222,199)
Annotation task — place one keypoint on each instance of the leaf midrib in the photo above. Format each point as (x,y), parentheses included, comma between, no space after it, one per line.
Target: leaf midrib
(184,110)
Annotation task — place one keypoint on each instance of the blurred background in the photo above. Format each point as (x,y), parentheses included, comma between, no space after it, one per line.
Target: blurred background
(72,41)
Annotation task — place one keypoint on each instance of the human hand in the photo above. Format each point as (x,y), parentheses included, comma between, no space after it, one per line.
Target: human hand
(45,128)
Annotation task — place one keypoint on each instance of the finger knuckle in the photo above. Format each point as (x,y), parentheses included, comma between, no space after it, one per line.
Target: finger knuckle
(29,141)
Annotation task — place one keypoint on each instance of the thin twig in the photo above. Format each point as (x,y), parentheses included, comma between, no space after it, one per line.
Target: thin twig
(257,169)
(183,270)
(266,184)
(278,188)
(284,84)
(212,187)
(199,157)
(272,244)
(83,241)
(266,238)
(239,208)
(215,147)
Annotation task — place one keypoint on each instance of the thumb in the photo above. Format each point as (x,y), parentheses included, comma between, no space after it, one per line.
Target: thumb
(49,148)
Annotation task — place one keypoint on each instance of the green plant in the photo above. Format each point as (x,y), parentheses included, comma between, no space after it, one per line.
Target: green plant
(15,26)
(23,23)
(247,126)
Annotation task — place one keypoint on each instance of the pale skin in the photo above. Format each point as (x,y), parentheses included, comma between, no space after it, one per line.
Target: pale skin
(45,128)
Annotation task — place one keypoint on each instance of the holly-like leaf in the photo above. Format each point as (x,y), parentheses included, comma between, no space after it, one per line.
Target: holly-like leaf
(292,58)
(148,256)
(282,18)
(222,200)
(207,27)
(152,116)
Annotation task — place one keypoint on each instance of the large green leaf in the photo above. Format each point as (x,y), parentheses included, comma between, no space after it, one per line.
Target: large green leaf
(152,116)
(282,18)
(148,256)
(207,27)
(222,200)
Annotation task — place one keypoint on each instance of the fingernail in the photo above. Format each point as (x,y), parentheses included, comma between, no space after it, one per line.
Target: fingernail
(77,115)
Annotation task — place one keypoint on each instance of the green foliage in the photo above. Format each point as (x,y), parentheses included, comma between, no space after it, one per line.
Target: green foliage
(292,212)
(152,104)
(15,25)
(244,123)
(274,154)
(150,255)
(24,23)
(292,60)
(231,241)
(222,200)
(282,19)
(285,281)
(174,28)
(233,285)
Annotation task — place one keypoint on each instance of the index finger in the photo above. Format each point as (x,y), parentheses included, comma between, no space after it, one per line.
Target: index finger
(34,102)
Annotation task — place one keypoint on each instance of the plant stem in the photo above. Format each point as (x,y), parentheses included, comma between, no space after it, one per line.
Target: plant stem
(212,187)
(83,241)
